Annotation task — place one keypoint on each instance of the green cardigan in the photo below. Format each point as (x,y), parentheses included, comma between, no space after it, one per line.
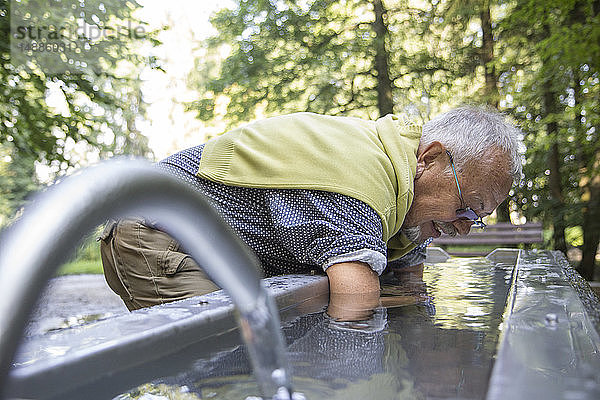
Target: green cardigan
(372,161)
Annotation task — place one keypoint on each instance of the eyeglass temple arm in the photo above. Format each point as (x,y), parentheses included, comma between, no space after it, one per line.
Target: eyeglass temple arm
(455,175)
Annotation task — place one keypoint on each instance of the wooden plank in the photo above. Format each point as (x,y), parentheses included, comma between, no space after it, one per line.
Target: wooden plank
(502,225)
(452,241)
(479,233)
(501,234)
(474,238)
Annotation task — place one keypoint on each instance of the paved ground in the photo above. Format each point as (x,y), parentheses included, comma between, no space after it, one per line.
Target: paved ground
(72,300)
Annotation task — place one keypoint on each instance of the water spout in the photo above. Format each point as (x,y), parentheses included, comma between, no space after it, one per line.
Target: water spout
(35,246)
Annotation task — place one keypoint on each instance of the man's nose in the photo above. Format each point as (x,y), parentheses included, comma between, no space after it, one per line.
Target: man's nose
(463,226)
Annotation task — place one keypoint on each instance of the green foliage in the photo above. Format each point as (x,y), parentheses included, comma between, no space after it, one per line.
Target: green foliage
(98,98)
(289,57)
(78,267)
(321,56)
(58,108)
(16,182)
(86,259)
(554,95)
(574,236)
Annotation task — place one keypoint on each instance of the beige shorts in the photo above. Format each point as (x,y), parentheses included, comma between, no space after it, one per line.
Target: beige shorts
(145,266)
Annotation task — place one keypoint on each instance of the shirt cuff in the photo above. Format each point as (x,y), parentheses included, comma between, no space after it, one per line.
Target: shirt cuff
(375,259)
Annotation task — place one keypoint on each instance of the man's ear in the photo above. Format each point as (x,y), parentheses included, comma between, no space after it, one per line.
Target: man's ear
(427,156)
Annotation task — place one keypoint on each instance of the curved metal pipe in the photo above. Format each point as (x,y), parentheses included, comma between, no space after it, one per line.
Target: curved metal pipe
(43,239)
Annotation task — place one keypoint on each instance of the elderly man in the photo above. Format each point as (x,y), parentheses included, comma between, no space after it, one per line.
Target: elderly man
(311,192)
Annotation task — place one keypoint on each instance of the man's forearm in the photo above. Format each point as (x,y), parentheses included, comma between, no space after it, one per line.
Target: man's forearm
(353,291)
(352,278)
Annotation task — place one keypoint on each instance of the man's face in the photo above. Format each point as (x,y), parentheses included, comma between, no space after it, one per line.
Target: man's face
(484,185)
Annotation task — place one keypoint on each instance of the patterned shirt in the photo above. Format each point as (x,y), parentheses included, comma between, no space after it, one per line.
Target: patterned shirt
(290,230)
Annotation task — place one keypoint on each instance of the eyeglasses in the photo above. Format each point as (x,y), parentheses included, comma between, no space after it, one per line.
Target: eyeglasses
(465,212)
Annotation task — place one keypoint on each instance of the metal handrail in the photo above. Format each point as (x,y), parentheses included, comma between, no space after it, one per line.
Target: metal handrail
(33,248)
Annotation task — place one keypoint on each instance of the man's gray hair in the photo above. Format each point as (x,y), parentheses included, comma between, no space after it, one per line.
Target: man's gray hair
(469,132)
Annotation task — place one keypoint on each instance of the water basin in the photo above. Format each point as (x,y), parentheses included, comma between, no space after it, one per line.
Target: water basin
(517,324)
(441,347)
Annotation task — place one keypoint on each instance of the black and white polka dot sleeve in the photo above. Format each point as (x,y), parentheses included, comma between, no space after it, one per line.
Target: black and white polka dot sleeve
(323,228)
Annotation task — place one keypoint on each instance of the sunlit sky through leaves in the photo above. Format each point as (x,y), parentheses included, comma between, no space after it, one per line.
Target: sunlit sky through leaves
(168,127)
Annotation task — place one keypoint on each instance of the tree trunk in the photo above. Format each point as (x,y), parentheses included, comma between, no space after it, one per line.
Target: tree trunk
(491,84)
(385,99)
(558,204)
(590,184)
(557,211)
(591,231)
(487,57)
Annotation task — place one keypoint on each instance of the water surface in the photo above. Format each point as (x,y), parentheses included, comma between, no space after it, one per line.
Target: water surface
(441,346)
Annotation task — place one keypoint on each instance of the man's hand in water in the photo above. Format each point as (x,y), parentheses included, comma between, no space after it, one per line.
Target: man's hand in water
(354,292)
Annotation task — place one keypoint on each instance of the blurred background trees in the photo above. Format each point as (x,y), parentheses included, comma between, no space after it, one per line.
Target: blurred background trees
(553,86)
(536,61)
(66,116)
